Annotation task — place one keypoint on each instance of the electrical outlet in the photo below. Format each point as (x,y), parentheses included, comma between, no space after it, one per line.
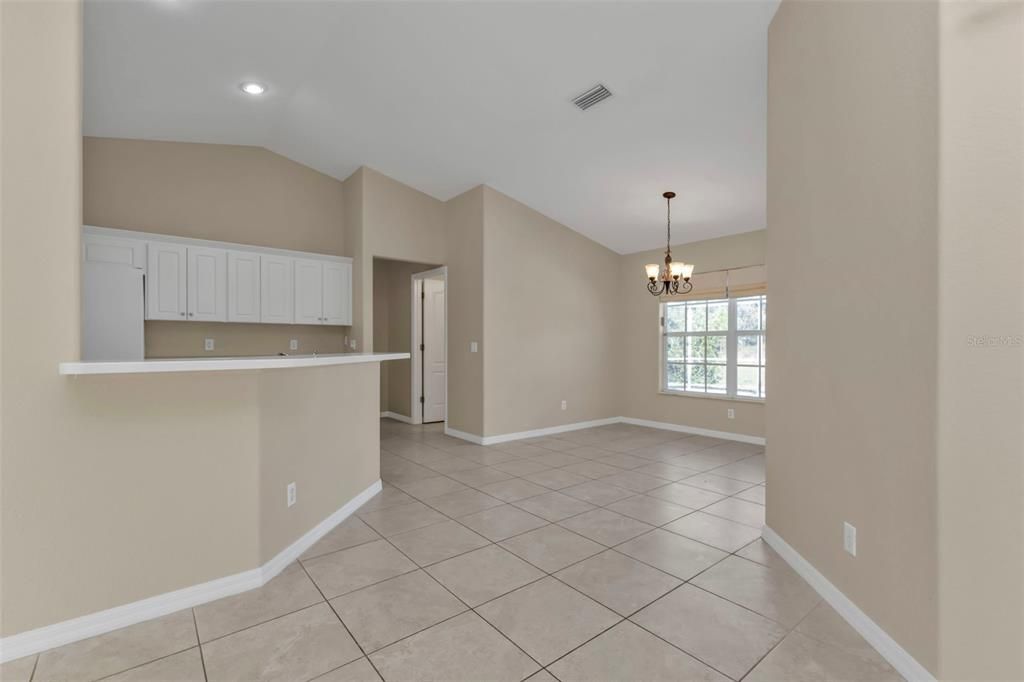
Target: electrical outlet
(850,538)
(564,405)
(208,344)
(291,494)
(352,344)
(293,344)
(473,347)
(731,413)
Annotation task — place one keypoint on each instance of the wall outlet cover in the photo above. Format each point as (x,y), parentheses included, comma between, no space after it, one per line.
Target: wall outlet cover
(565,405)
(731,413)
(850,538)
(352,343)
(473,346)
(208,344)
(293,344)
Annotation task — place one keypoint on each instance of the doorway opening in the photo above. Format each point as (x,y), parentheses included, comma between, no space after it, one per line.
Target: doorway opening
(429,346)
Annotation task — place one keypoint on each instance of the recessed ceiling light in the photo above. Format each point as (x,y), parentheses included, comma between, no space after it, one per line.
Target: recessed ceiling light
(251,88)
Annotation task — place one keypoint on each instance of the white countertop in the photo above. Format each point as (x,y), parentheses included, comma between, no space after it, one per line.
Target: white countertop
(224,364)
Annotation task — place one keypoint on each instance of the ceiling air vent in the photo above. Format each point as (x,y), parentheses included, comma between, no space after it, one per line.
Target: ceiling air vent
(592,97)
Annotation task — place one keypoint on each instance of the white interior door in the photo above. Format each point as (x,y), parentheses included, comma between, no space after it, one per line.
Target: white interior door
(207,284)
(434,365)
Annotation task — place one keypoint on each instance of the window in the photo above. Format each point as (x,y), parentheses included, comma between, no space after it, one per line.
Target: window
(715,346)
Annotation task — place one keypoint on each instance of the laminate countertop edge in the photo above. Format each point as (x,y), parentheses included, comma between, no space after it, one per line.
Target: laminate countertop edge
(222,364)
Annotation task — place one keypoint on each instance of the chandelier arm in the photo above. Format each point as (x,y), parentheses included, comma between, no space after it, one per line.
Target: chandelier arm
(655,287)
(687,287)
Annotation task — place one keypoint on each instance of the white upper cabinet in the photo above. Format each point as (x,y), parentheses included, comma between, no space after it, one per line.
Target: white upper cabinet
(200,280)
(337,293)
(207,284)
(309,292)
(121,250)
(243,286)
(276,293)
(166,270)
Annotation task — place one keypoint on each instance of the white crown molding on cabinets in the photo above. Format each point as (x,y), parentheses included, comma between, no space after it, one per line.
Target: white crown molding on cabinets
(75,629)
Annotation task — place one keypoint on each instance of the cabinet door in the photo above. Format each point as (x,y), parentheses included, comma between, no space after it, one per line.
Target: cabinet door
(165,281)
(309,292)
(276,293)
(123,251)
(207,284)
(337,293)
(243,286)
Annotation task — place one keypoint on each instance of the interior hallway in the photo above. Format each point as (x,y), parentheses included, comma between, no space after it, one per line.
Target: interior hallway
(618,552)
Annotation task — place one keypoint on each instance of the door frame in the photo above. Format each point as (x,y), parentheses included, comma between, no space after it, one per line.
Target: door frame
(416,287)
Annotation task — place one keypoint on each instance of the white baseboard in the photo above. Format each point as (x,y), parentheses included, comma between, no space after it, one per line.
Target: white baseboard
(471,437)
(890,650)
(535,433)
(552,430)
(397,417)
(695,430)
(58,634)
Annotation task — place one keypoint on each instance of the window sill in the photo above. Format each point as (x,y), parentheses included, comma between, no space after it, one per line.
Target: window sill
(712,396)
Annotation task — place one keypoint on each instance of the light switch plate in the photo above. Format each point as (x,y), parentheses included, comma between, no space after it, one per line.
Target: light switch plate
(208,344)
(472,347)
(731,413)
(291,494)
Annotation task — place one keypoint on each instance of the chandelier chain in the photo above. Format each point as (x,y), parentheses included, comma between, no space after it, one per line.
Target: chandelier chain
(668,243)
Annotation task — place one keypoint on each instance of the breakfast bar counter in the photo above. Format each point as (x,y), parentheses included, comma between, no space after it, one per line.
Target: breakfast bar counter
(222,364)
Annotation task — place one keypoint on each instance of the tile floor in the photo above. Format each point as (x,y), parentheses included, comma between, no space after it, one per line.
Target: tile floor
(613,553)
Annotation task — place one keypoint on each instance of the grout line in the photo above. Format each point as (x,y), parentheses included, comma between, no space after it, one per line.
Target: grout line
(331,607)
(470,608)
(202,658)
(134,667)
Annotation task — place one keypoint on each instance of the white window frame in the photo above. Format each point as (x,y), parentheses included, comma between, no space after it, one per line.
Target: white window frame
(731,354)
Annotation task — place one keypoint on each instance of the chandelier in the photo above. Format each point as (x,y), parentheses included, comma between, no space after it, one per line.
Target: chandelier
(665,282)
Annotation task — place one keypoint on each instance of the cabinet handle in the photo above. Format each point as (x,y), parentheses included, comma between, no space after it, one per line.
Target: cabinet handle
(183,314)
(191,314)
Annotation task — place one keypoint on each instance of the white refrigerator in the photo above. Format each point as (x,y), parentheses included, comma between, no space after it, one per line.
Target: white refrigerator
(113,310)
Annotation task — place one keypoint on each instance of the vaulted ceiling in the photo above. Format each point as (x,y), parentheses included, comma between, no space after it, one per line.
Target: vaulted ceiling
(444,96)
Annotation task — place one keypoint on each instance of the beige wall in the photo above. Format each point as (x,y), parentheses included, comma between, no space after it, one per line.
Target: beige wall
(981,387)
(142,484)
(397,222)
(550,325)
(392,329)
(852,246)
(243,195)
(639,359)
(465,299)
(318,428)
(170,339)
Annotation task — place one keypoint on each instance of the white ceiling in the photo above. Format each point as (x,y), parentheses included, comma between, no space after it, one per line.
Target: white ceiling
(444,96)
